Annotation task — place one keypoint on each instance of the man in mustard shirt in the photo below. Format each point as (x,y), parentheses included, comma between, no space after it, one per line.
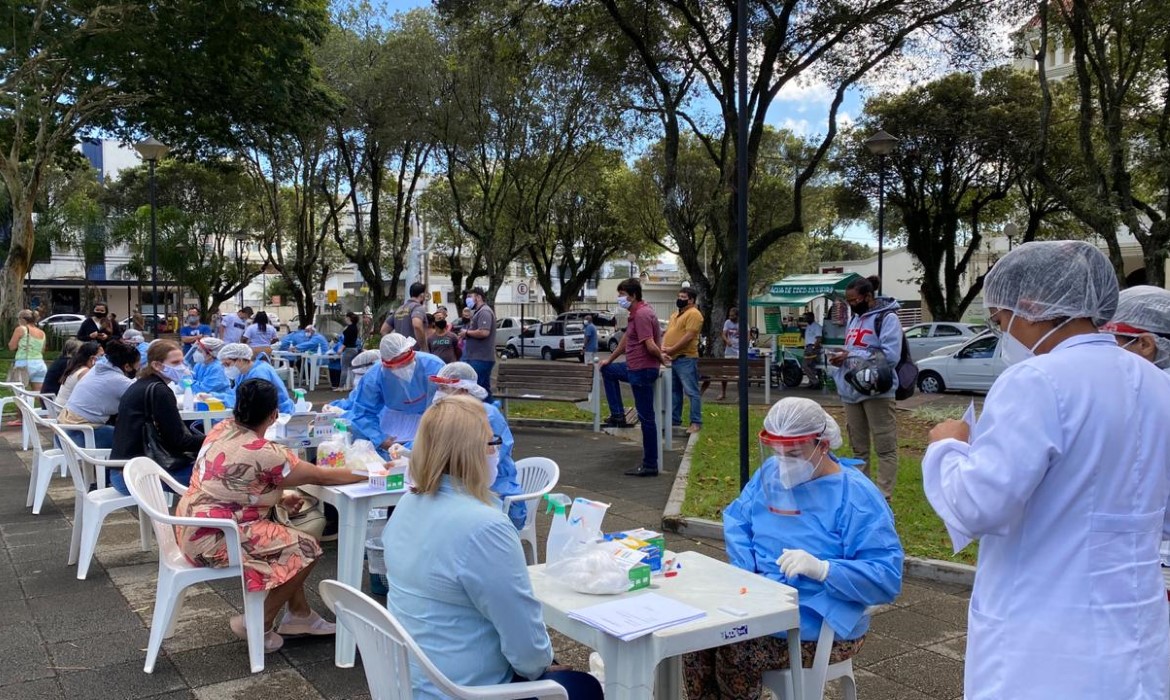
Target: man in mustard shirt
(681,345)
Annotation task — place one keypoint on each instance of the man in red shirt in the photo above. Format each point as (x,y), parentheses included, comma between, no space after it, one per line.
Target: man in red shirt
(642,346)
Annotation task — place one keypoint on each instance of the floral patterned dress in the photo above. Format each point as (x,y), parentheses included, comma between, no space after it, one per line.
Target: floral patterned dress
(238,476)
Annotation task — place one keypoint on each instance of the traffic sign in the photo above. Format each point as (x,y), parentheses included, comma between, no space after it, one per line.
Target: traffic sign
(522,291)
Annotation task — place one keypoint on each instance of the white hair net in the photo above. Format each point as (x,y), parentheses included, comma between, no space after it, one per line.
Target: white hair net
(133,336)
(235,351)
(456,377)
(363,361)
(393,345)
(211,345)
(794,417)
(1145,309)
(1041,281)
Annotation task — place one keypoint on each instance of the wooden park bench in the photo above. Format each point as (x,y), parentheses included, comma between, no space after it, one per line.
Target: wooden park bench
(726,369)
(550,381)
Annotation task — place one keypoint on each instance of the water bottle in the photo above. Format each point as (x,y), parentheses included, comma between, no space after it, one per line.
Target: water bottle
(188,395)
(302,406)
(342,429)
(559,533)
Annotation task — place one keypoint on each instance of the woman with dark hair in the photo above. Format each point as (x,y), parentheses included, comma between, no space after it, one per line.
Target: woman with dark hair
(260,334)
(56,373)
(350,347)
(94,401)
(150,398)
(241,475)
(80,363)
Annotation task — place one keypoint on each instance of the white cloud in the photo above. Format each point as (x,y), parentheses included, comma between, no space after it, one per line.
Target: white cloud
(800,127)
(806,91)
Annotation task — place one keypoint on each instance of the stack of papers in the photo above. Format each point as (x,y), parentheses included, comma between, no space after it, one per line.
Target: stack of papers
(637,616)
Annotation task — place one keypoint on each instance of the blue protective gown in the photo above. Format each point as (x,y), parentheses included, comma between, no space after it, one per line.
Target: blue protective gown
(260,370)
(506,483)
(379,390)
(290,341)
(210,379)
(316,344)
(142,348)
(845,521)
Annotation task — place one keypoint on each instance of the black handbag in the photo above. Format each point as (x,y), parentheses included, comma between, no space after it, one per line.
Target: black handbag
(152,442)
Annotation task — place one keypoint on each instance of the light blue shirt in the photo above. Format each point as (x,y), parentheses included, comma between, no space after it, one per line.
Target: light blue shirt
(590,337)
(464,596)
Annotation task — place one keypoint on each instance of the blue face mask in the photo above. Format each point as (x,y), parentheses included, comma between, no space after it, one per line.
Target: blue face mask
(175,373)
(624,302)
(470,302)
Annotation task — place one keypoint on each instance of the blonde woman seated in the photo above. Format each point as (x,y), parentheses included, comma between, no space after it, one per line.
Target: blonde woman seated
(465,597)
(240,475)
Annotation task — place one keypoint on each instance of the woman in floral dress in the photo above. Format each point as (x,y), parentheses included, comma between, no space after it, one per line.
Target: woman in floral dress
(241,476)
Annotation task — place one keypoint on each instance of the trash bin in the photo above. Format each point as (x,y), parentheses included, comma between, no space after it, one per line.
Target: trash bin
(375,556)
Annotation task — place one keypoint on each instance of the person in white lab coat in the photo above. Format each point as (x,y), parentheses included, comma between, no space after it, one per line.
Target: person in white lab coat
(1142,324)
(1064,482)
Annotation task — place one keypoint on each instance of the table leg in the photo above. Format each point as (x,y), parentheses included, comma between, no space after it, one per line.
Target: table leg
(351,531)
(630,669)
(669,681)
(794,653)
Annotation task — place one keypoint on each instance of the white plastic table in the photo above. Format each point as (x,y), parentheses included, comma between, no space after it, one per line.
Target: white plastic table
(310,361)
(630,667)
(353,504)
(206,416)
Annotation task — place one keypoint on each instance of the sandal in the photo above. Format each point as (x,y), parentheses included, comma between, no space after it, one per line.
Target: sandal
(314,625)
(272,640)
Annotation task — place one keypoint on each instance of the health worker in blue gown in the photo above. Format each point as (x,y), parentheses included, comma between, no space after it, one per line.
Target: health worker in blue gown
(390,401)
(459,378)
(814,522)
(135,338)
(239,366)
(208,373)
(362,363)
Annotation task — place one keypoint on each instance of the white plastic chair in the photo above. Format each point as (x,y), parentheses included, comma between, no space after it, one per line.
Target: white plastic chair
(387,648)
(9,400)
(91,508)
(537,476)
(30,397)
(45,461)
(285,371)
(779,682)
(51,406)
(144,479)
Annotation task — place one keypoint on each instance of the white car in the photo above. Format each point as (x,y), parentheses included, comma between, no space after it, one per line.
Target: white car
(63,324)
(925,338)
(549,341)
(973,367)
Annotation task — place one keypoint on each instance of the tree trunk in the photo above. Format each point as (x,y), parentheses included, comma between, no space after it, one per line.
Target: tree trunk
(20,254)
(1154,255)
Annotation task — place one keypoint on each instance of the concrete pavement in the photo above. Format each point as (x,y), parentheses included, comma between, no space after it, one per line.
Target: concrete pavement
(64,638)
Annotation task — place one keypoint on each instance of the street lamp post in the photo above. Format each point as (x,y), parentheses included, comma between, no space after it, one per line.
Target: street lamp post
(151,150)
(881,145)
(241,264)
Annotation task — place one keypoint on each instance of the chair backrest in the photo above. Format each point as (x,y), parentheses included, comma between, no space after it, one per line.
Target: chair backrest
(379,636)
(537,475)
(52,407)
(29,416)
(144,480)
(75,456)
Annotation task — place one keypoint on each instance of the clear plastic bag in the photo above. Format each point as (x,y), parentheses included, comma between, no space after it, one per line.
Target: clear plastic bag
(591,568)
(362,455)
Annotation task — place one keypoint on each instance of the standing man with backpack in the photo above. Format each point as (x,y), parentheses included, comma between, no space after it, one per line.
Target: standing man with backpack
(866,376)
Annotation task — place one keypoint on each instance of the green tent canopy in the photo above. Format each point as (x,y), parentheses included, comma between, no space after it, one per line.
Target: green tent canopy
(798,290)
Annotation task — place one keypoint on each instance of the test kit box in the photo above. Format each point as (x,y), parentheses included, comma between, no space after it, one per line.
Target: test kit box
(650,543)
(639,577)
(295,426)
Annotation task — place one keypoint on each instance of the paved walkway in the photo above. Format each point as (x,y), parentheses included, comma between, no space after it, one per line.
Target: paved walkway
(64,638)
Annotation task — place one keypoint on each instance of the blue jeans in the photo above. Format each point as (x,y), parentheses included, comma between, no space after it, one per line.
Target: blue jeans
(103,436)
(641,383)
(685,371)
(183,476)
(578,684)
(483,374)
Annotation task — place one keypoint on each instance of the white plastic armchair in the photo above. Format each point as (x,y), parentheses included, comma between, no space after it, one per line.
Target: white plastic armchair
(380,636)
(537,476)
(779,681)
(145,479)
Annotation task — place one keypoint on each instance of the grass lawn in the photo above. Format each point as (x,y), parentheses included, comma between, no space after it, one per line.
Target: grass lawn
(714,476)
(548,410)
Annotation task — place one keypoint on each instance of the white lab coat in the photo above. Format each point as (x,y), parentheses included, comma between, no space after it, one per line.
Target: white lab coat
(1066,485)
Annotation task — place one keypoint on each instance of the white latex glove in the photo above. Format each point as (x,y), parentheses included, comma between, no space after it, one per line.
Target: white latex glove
(797,562)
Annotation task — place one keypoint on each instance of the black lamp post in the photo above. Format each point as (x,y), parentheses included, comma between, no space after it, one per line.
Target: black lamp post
(741,214)
(151,151)
(881,145)
(241,263)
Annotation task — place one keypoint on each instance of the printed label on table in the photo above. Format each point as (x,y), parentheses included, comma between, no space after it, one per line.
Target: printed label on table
(734,633)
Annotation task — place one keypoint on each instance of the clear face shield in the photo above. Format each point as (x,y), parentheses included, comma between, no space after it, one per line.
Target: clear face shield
(786,463)
(401,366)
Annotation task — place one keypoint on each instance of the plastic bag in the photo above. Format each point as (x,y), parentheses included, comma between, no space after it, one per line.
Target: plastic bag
(592,568)
(332,453)
(362,455)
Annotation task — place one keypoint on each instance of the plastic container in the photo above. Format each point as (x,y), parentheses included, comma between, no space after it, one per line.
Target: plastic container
(188,394)
(301,405)
(559,533)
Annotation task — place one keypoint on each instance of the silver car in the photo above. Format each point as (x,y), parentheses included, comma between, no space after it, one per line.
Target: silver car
(973,367)
(62,324)
(925,338)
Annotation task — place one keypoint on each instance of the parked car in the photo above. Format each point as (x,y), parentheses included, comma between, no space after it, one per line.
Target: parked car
(973,367)
(925,338)
(605,322)
(549,341)
(619,332)
(62,324)
(509,327)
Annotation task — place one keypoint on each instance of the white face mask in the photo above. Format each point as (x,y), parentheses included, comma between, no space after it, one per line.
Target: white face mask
(795,471)
(493,467)
(1014,352)
(199,357)
(405,373)
(233,373)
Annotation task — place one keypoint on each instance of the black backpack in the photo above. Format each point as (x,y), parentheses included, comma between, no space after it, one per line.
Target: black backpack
(906,370)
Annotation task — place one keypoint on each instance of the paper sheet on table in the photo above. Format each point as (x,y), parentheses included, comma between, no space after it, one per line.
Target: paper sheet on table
(402,426)
(637,616)
(363,488)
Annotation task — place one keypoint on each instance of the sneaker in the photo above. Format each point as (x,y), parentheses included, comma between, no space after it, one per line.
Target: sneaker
(314,625)
(272,640)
